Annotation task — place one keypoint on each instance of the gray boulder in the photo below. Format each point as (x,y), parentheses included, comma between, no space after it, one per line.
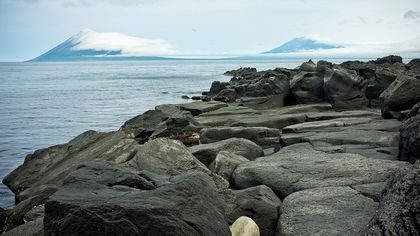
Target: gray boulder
(206,153)
(325,211)
(142,126)
(413,68)
(308,66)
(226,95)
(260,204)
(399,209)
(409,147)
(264,137)
(401,95)
(104,200)
(307,87)
(384,76)
(345,89)
(171,157)
(300,166)
(216,87)
(225,163)
(32,228)
(44,170)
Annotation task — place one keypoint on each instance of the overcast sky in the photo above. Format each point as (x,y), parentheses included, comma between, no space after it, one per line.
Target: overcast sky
(29,28)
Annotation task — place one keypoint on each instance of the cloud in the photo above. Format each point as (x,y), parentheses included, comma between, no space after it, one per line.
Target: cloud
(129,46)
(410,15)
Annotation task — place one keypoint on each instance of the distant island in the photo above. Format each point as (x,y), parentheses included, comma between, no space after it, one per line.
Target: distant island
(299,45)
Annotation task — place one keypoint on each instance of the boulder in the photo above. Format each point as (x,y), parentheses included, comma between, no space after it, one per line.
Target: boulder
(300,166)
(325,211)
(320,67)
(409,146)
(260,204)
(178,128)
(226,95)
(413,68)
(401,95)
(206,153)
(307,87)
(3,216)
(216,87)
(241,71)
(44,171)
(364,69)
(101,199)
(399,208)
(142,126)
(244,226)
(345,89)
(373,190)
(166,156)
(308,66)
(32,228)
(264,137)
(384,76)
(225,163)
(391,59)
(198,107)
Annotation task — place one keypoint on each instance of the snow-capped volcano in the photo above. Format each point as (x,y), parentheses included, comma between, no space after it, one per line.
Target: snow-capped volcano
(300,45)
(88,44)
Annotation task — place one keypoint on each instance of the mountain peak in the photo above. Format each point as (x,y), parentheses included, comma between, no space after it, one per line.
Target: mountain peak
(300,44)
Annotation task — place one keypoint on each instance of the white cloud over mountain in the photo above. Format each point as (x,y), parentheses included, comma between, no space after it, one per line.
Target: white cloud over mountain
(129,46)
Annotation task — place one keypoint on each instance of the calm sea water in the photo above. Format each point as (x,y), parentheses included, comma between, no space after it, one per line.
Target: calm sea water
(44,104)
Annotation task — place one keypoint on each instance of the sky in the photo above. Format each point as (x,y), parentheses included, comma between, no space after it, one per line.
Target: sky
(29,28)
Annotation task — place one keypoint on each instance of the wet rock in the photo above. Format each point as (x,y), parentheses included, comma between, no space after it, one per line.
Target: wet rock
(401,95)
(325,211)
(260,204)
(206,153)
(216,87)
(264,137)
(186,204)
(226,95)
(409,146)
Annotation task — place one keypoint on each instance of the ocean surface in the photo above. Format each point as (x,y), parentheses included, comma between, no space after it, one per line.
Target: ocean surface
(44,104)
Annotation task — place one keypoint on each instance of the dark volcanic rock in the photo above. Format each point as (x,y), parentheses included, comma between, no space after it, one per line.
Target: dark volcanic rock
(307,88)
(391,59)
(300,166)
(345,89)
(263,136)
(206,153)
(216,87)
(92,203)
(260,204)
(142,126)
(401,95)
(399,209)
(44,170)
(410,136)
(325,211)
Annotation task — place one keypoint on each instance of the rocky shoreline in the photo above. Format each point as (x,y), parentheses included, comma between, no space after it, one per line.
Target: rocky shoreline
(321,149)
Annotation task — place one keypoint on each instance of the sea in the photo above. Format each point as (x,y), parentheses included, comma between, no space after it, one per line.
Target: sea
(47,103)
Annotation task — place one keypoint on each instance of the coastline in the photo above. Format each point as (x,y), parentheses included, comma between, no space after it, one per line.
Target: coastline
(297,136)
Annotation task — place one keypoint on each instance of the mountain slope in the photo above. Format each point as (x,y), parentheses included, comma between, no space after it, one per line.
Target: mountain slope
(89,45)
(299,45)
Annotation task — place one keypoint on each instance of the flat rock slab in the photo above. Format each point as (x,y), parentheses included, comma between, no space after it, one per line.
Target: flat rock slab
(300,166)
(263,136)
(196,108)
(325,211)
